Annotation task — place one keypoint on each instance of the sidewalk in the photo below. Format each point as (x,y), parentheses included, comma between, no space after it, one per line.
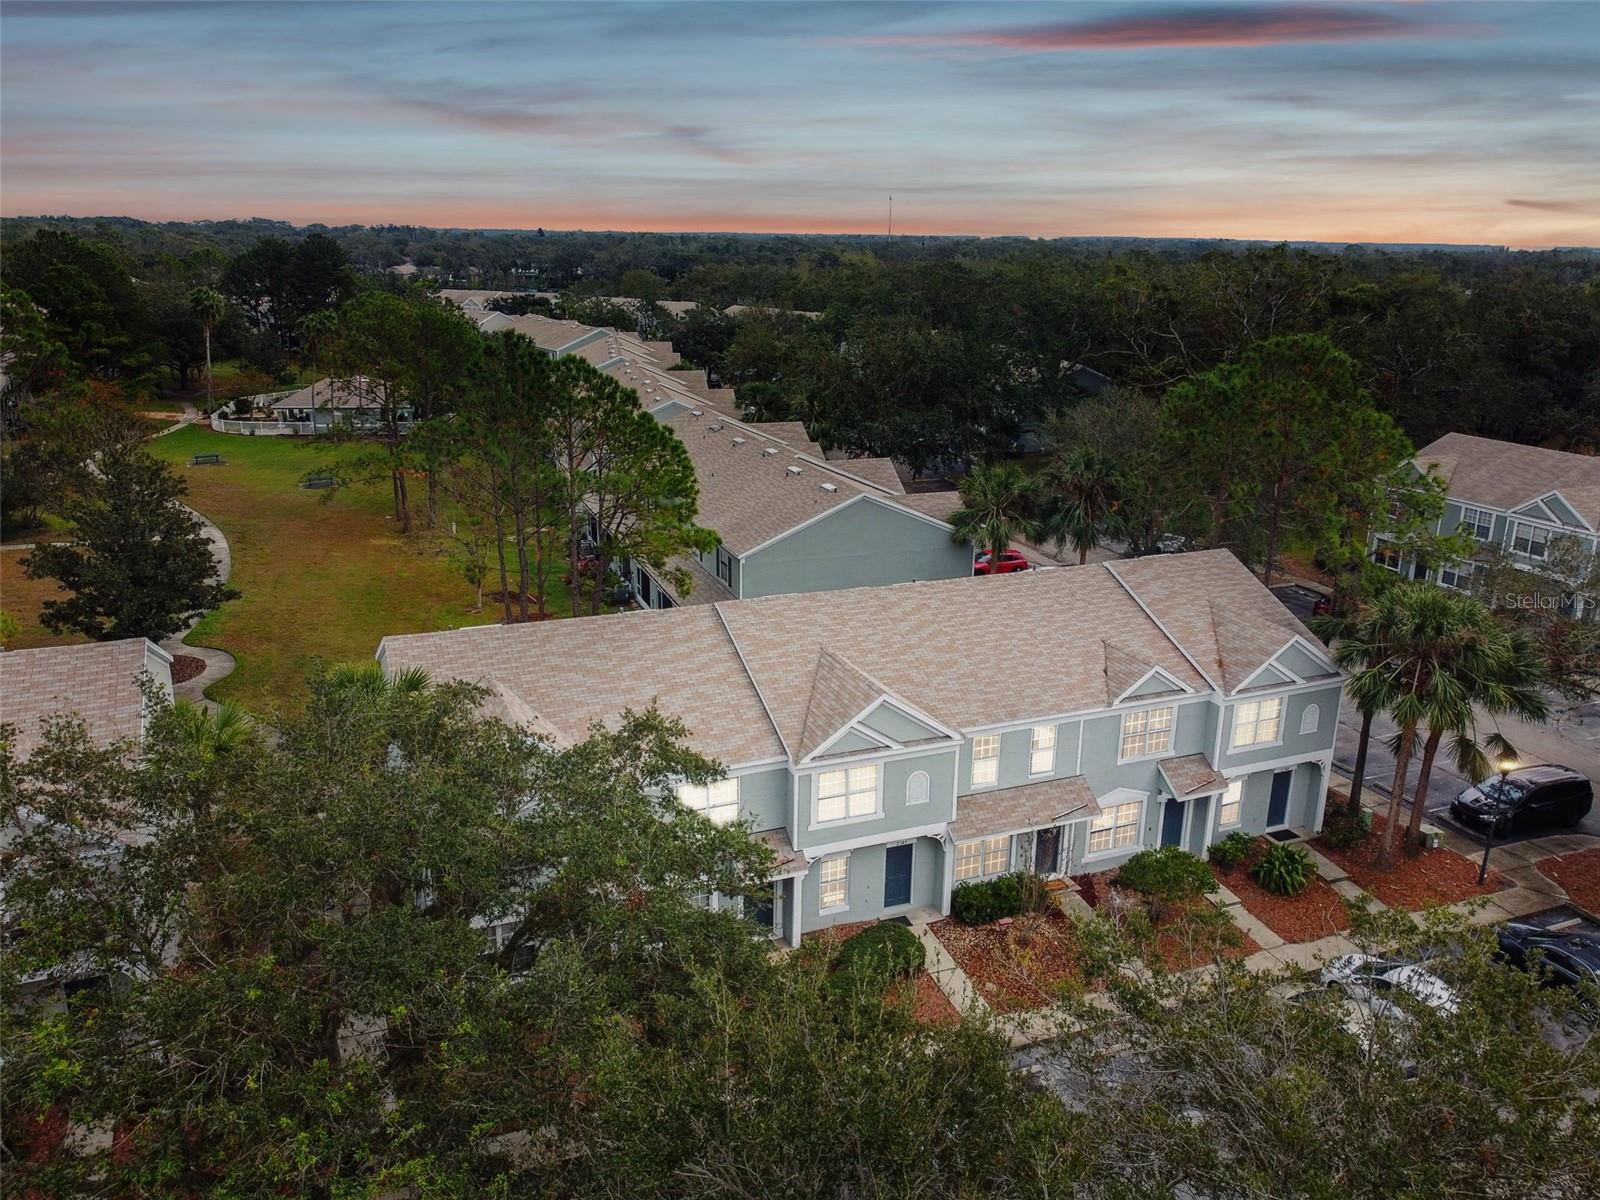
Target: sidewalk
(218,662)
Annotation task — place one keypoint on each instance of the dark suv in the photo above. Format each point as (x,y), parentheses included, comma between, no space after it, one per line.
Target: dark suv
(1526,799)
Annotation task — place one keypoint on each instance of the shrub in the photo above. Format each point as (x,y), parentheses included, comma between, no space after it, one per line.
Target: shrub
(882,951)
(1284,870)
(1232,850)
(1343,829)
(1167,875)
(988,900)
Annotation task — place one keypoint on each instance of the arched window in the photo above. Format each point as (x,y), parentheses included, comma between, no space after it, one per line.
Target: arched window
(917,788)
(1310,719)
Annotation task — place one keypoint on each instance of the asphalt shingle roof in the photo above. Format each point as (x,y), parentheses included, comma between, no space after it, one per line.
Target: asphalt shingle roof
(98,681)
(1031,806)
(1506,475)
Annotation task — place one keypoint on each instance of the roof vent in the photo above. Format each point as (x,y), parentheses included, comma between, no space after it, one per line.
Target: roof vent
(829,487)
(770,450)
(738,441)
(792,470)
(696,413)
(717,428)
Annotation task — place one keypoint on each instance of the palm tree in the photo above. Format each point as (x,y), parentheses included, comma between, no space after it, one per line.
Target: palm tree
(1355,644)
(208,307)
(1428,656)
(999,504)
(216,734)
(317,329)
(1084,493)
(369,678)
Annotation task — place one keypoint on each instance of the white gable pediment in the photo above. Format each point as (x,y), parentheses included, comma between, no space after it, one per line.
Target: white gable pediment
(886,724)
(1154,682)
(1298,661)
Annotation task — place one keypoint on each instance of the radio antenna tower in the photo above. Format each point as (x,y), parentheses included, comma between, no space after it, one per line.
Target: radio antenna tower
(891,216)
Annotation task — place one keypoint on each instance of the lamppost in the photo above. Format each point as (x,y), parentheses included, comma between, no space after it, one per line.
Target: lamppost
(1507,765)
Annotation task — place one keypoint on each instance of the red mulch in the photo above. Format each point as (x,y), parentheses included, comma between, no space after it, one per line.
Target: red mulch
(1317,912)
(1188,937)
(185,667)
(932,1006)
(1017,966)
(828,939)
(1418,881)
(1579,873)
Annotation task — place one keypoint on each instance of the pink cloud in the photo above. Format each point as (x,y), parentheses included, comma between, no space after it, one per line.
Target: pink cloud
(1271,25)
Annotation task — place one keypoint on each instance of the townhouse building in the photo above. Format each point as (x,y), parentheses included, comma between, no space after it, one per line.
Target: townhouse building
(890,743)
(100,683)
(1521,499)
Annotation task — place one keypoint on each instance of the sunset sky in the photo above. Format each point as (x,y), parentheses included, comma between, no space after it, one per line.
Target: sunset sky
(1340,122)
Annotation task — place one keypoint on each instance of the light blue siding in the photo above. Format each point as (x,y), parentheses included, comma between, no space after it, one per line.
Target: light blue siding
(764,798)
(1293,744)
(901,727)
(865,884)
(896,814)
(860,544)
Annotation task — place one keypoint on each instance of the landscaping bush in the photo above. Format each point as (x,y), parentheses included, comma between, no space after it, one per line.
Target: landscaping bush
(1232,850)
(1284,870)
(883,951)
(1168,875)
(1341,829)
(988,900)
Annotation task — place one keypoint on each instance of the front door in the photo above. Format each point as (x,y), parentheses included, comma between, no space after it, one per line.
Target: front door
(1172,824)
(897,875)
(1047,851)
(1278,805)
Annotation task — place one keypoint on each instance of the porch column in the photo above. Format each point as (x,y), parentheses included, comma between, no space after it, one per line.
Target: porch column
(1325,768)
(798,886)
(947,848)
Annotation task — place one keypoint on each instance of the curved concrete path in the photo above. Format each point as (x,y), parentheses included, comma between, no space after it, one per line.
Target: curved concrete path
(218,662)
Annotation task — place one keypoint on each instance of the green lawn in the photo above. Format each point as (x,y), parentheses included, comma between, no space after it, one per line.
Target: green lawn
(321,576)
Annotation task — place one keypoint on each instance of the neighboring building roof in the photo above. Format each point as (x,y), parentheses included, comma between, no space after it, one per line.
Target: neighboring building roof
(98,681)
(471,297)
(939,505)
(705,587)
(1192,775)
(741,672)
(1506,475)
(572,673)
(745,310)
(357,391)
(1031,806)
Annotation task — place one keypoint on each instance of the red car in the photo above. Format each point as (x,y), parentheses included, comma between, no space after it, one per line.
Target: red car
(1010,560)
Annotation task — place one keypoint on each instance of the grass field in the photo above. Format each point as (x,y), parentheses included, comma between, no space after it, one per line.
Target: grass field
(321,578)
(22,597)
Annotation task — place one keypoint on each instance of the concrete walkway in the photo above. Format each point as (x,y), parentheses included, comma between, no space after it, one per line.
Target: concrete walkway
(219,663)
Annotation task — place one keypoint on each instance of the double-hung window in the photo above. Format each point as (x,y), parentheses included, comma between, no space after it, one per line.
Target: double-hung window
(1232,802)
(718,802)
(725,567)
(985,759)
(833,878)
(1257,723)
(983,858)
(1530,540)
(1457,575)
(1386,556)
(1042,758)
(1476,522)
(1146,732)
(1116,827)
(849,792)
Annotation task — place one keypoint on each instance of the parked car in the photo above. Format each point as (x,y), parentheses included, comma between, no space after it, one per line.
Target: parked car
(1568,959)
(1525,799)
(1010,560)
(1322,606)
(1376,981)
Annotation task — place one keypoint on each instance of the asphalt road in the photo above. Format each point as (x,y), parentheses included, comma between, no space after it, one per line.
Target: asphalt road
(1571,737)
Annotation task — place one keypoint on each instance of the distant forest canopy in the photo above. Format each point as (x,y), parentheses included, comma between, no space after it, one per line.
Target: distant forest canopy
(939,350)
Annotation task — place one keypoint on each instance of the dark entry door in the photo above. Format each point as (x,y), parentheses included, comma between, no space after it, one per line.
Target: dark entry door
(1172,824)
(897,875)
(1047,851)
(1278,805)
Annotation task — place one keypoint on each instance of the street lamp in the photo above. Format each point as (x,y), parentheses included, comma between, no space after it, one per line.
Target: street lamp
(1507,765)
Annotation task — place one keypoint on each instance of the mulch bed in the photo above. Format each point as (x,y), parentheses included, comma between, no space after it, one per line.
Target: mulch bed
(185,667)
(828,939)
(1418,881)
(932,1006)
(1579,873)
(1190,936)
(1317,912)
(1018,966)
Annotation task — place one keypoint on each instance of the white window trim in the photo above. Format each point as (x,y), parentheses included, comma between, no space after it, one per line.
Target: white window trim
(983,855)
(1473,526)
(1172,734)
(816,798)
(1234,746)
(1116,800)
(1520,523)
(972,766)
(824,909)
(927,788)
(1055,747)
(705,790)
(1222,802)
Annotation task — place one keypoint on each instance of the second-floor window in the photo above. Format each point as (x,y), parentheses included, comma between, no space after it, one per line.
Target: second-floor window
(1257,723)
(725,567)
(718,802)
(1530,540)
(1146,732)
(985,759)
(982,858)
(1476,522)
(847,793)
(1042,758)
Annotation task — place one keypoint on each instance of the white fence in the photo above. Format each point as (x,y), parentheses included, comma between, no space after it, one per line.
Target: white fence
(264,428)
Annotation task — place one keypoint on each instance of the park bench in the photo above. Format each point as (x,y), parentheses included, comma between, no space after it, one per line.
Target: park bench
(318,481)
(208,460)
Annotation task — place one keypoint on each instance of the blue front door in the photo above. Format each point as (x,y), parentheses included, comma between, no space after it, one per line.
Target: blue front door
(1278,805)
(897,876)
(1172,823)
